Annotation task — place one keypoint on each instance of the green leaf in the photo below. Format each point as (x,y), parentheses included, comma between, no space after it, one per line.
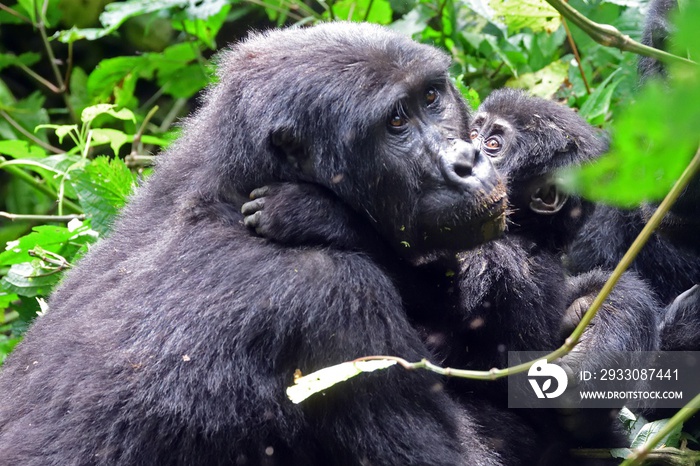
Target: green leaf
(116,13)
(322,379)
(597,107)
(60,130)
(26,59)
(74,34)
(621,453)
(102,188)
(537,15)
(60,240)
(21,149)
(543,83)
(357,10)
(29,279)
(651,429)
(115,138)
(90,113)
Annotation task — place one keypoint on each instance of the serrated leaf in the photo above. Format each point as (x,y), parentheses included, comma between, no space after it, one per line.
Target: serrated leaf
(322,379)
(102,188)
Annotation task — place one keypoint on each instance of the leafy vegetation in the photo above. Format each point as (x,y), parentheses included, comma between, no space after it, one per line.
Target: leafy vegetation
(91,90)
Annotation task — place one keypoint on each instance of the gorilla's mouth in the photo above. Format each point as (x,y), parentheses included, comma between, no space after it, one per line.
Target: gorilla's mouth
(464,226)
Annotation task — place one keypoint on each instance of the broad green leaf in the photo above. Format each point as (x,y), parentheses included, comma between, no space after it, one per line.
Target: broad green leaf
(537,15)
(119,74)
(61,130)
(115,138)
(207,19)
(21,149)
(60,240)
(322,379)
(543,83)
(5,300)
(116,13)
(90,113)
(102,188)
(651,429)
(74,34)
(29,279)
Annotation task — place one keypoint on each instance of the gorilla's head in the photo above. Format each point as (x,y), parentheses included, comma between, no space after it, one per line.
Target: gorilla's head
(365,112)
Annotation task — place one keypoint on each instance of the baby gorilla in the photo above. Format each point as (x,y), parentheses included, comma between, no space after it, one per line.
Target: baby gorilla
(513,293)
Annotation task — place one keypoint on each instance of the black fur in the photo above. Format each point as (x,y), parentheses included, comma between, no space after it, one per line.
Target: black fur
(509,294)
(172,341)
(657,30)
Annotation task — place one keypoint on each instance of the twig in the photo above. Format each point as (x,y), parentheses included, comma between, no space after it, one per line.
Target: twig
(42,218)
(29,135)
(610,36)
(136,143)
(15,13)
(574,49)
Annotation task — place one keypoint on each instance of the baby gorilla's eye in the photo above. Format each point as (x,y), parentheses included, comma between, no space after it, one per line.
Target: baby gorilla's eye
(493,143)
(431,96)
(397,121)
(473,134)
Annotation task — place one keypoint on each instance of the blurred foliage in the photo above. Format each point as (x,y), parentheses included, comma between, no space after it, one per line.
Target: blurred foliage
(90,91)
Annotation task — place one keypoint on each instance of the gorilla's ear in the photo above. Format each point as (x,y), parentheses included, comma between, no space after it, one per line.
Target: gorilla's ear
(290,150)
(548,199)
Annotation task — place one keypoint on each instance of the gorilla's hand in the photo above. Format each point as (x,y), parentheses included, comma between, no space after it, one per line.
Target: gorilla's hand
(303,214)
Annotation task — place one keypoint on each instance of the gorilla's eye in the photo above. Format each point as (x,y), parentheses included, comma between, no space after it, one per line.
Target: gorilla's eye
(431,95)
(493,143)
(473,134)
(397,121)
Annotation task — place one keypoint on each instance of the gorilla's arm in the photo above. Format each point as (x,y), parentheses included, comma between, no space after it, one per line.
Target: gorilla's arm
(304,214)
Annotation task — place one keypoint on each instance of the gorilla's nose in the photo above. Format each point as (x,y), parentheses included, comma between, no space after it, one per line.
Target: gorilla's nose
(457,162)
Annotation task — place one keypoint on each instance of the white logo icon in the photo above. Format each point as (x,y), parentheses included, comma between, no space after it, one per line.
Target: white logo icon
(546,371)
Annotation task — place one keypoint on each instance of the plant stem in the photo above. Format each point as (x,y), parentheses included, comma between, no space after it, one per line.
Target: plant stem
(42,218)
(574,49)
(609,36)
(29,135)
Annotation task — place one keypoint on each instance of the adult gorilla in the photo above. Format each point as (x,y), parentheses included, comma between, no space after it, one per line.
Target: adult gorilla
(173,340)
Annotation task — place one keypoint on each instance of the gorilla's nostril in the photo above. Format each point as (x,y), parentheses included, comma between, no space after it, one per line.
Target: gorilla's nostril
(462,169)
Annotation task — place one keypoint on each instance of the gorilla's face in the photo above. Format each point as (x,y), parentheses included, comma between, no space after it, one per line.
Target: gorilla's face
(372,116)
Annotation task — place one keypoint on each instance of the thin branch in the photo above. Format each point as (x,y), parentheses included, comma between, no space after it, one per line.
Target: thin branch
(172,115)
(15,13)
(610,36)
(29,135)
(42,218)
(49,85)
(136,143)
(572,44)
(680,417)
